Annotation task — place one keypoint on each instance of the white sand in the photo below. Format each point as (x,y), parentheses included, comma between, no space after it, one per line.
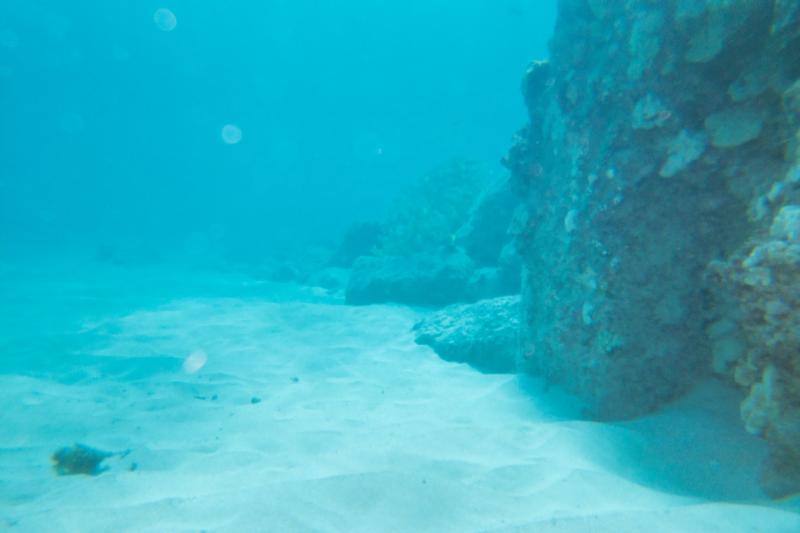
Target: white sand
(377,435)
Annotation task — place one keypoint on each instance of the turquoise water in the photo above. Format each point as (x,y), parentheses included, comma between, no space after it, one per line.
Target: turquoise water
(112,133)
(176,183)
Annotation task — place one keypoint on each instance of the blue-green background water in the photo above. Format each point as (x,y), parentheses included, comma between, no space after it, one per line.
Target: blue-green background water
(111,128)
(249,405)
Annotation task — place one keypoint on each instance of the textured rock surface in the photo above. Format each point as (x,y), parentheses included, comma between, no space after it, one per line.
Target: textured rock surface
(445,242)
(360,239)
(762,289)
(428,279)
(486,239)
(662,146)
(484,334)
(486,231)
(331,278)
(423,279)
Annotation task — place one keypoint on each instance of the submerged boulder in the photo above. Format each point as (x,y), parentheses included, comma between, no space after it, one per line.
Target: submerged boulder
(659,178)
(765,285)
(360,239)
(486,231)
(446,240)
(427,279)
(484,334)
(331,278)
(487,239)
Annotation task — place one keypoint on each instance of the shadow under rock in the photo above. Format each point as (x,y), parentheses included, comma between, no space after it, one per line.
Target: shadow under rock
(696,446)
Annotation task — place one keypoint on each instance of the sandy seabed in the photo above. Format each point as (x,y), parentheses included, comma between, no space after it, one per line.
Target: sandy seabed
(314,416)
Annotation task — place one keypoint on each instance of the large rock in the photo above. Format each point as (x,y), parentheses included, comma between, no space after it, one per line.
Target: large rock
(765,332)
(361,239)
(486,231)
(487,240)
(664,139)
(484,334)
(426,279)
(331,278)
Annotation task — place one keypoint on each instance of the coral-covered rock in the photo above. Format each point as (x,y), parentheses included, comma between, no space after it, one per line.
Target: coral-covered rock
(682,150)
(362,238)
(486,231)
(445,240)
(484,334)
(766,287)
(432,279)
(659,175)
(733,127)
(488,241)
(331,278)
(428,215)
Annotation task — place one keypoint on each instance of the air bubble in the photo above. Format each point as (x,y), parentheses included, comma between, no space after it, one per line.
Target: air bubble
(231,134)
(165,19)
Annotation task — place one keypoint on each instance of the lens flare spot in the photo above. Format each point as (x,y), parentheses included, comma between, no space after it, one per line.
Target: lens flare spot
(165,19)
(195,362)
(231,134)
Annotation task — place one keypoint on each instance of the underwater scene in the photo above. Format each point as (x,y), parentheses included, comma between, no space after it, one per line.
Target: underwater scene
(400,266)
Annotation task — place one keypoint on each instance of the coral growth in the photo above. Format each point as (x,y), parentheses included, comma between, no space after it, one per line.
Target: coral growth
(766,286)
(429,214)
(483,334)
(660,176)
(445,241)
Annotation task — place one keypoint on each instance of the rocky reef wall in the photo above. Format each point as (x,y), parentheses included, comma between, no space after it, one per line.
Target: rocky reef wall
(660,236)
(445,241)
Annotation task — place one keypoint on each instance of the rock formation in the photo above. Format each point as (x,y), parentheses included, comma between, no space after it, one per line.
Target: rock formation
(660,174)
(427,279)
(483,335)
(440,252)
